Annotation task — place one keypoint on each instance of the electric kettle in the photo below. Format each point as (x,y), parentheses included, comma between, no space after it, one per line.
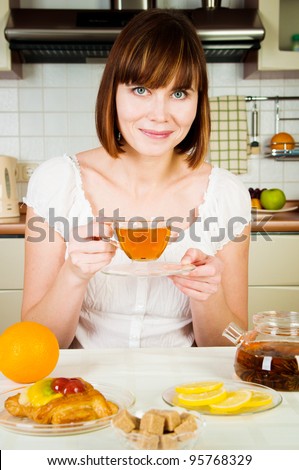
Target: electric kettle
(9,204)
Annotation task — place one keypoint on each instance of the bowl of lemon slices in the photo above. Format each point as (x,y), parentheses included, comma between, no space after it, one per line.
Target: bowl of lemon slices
(215,397)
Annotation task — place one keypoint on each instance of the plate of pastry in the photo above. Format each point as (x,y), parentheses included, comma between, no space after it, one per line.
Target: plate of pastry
(62,406)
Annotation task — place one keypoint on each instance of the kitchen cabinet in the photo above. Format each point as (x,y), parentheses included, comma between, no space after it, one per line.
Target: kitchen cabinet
(273,273)
(8,68)
(275,59)
(11,280)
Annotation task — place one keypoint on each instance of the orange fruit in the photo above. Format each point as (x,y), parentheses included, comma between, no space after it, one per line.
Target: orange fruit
(256,203)
(282,141)
(29,352)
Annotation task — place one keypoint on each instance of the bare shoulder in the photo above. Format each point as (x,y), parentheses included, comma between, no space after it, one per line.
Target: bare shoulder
(200,175)
(93,158)
(204,170)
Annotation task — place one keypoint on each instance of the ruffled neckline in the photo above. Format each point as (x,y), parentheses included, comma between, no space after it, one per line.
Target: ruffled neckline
(79,184)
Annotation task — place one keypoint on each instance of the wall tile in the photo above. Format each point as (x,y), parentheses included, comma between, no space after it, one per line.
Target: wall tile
(9,83)
(55,146)
(271,170)
(79,76)
(291,190)
(8,99)
(82,124)
(253,173)
(31,124)
(55,75)
(9,124)
(9,146)
(31,99)
(56,124)
(291,172)
(79,144)
(55,99)
(81,100)
(32,148)
(224,75)
(96,73)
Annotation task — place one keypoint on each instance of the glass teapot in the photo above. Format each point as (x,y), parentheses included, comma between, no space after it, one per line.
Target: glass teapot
(269,353)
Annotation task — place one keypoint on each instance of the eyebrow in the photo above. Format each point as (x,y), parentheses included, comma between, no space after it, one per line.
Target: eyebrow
(179,87)
(182,88)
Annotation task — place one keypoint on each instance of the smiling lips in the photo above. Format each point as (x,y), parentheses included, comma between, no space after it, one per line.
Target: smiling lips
(156,134)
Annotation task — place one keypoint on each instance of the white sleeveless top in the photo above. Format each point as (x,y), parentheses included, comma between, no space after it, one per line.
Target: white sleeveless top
(137,312)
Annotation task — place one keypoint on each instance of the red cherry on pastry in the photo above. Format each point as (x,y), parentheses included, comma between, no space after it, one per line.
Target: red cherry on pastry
(73,386)
(67,386)
(59,384)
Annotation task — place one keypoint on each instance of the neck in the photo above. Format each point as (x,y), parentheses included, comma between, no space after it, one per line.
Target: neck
(149,172)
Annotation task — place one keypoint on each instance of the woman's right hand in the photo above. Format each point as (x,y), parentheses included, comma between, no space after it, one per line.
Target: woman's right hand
(87,252)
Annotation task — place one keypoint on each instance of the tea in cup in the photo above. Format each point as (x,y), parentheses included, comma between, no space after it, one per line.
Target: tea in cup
(143,240)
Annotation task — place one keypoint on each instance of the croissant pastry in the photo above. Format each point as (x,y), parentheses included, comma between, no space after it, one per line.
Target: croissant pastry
(60,401)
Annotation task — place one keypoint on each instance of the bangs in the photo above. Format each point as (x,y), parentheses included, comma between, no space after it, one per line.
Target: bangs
(156,63)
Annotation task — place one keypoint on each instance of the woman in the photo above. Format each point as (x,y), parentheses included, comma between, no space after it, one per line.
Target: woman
(152,118)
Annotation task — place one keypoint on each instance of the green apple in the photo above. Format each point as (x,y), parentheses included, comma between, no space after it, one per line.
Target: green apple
(272,199)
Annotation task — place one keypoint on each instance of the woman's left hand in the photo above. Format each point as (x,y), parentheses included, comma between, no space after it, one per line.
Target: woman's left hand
(204,280)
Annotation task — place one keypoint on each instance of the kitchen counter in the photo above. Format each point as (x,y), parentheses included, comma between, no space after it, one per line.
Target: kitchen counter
(15,228)
(279,222)
(262,222)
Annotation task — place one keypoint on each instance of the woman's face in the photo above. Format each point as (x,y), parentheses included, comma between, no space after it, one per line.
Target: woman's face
(154,121)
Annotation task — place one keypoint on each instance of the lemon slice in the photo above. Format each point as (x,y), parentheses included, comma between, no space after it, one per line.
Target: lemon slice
(233,401)
(198,387)
(259,399)
(200,399)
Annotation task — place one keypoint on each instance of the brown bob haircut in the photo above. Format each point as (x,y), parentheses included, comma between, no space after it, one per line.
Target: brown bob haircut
(154,48)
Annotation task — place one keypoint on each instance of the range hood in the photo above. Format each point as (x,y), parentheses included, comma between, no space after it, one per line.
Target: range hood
(83,36)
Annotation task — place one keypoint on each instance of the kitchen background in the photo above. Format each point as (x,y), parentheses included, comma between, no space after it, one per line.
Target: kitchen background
(50,111)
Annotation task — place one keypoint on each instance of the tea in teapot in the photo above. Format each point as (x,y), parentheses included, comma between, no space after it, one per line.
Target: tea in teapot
(268,354)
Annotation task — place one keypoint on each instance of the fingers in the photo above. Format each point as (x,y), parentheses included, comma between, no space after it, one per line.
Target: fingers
(87,252)
(196,295)
(80,259)
(194,256)
(200,286)
(92,246)
(86,265)
(88,239)
(204,280)
(196,289)
(93,230)
(206,272)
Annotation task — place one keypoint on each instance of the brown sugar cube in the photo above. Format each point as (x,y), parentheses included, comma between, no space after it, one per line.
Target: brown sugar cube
(187,415)
(125,421)
(168,441)
(147,441)
(188,425)
(172,419)
(189,418)
(152,423)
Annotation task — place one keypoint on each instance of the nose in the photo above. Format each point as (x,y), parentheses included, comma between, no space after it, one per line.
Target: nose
(158,108)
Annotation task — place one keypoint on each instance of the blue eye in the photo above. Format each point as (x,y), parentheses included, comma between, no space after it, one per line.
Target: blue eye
(139,90)
(179,94)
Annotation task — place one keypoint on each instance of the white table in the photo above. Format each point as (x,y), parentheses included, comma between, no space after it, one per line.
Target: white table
(147,373)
